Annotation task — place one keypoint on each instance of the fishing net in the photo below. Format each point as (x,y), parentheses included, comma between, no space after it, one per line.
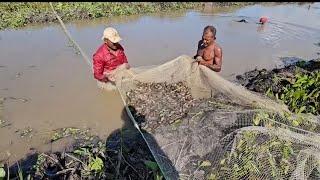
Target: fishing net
(200,126)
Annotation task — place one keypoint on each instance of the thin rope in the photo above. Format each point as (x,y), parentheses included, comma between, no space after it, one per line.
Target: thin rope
(84,55)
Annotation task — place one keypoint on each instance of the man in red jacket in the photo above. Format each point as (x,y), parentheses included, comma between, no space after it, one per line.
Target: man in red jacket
(108,57)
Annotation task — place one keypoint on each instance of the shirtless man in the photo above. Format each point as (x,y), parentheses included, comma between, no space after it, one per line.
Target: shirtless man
(209,53)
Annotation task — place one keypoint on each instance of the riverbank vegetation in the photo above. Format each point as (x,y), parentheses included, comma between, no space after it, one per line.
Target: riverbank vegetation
(297,85)
(15,15)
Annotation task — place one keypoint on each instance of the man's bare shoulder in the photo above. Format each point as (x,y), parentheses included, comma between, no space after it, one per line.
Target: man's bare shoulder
(217,46)
(217,49)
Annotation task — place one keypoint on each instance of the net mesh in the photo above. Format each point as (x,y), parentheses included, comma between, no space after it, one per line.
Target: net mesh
(253,137)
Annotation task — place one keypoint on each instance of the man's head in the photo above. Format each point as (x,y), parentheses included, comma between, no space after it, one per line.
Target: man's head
(263,20)
(111,37)
(209,35)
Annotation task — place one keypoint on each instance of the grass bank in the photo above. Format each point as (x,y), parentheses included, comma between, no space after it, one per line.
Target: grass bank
(15,15)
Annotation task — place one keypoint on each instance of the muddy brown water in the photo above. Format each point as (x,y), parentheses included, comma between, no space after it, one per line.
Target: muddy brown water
(36,63)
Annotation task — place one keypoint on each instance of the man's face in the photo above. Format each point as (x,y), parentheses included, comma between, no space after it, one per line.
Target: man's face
(110,44)
(207,38)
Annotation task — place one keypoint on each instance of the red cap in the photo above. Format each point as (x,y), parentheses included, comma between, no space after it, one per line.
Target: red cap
(263,20)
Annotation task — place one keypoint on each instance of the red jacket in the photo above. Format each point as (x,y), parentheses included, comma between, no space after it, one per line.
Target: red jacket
(105,61)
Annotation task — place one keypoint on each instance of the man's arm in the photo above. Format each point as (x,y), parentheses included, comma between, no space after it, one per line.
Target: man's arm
(98,68)
(217,59)
(125,60)
(123,57)
(198,50)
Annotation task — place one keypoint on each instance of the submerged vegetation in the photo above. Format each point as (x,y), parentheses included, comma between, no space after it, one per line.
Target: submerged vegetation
(73,132)
(2,121)
(14,15)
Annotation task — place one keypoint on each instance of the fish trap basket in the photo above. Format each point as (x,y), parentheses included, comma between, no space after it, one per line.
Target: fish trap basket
(257,143)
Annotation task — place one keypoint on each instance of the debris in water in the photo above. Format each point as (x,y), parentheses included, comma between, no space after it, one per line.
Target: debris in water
(70,44)
(32,66)
(19,74)
(74,132)
(4,123)
(17,99)
(25,132)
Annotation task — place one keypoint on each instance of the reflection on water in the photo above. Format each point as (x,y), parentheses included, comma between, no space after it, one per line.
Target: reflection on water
(61,88)
(261,28)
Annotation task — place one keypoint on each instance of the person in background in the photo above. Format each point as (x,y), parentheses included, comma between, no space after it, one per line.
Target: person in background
(263,20)
(209,53)
(108,57)
(243,20)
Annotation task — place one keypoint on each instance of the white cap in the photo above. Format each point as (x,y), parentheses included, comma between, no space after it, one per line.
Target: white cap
(111,34)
